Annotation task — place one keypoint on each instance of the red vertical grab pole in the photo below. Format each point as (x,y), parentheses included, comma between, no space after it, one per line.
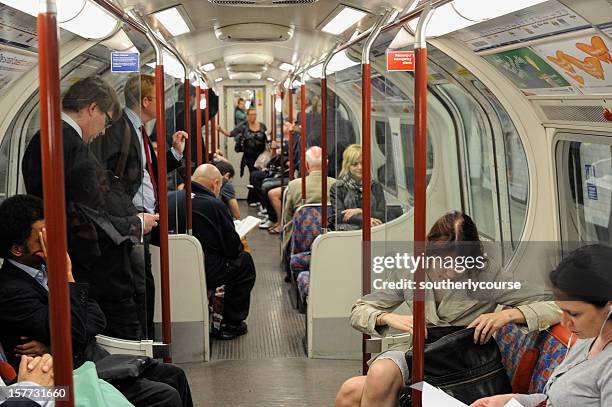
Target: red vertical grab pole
(188,214)
(213,135)
(52,156)
(282,139)
(199,124)
(218,131)
(273,123)
(303,141)
(162,200)
(291,163)
(420,185)
(324,152)
(207,120)
(366,182)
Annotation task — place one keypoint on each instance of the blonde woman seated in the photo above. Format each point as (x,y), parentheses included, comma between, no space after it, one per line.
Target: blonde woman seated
(373,314)
(346,195)
(583,290)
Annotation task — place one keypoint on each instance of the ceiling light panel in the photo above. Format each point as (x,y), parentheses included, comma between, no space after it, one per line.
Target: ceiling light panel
(209,67)
(286,67)
(343,20)
(173,21)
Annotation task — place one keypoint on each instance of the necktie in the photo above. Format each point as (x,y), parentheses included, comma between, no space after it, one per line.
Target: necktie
(147,148)
(41,276)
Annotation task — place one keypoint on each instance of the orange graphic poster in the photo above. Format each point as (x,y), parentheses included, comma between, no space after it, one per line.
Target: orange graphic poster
(584,61)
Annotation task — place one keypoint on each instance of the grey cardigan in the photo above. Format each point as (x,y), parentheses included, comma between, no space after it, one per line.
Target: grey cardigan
(577,381)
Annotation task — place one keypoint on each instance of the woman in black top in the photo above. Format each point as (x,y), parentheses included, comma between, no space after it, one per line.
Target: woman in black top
(250,139)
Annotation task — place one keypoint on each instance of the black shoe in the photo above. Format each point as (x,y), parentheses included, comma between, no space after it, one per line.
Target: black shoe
(229,331)
(239,329)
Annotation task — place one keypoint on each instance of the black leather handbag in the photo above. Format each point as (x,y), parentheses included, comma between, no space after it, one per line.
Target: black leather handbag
(456,365)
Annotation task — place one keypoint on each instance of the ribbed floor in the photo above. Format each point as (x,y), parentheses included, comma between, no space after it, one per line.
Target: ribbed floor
(275,328)
(267,366)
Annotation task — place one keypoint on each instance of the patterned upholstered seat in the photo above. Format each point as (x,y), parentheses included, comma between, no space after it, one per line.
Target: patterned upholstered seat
(7,373)
(303,283)
(306,227)
(551,346)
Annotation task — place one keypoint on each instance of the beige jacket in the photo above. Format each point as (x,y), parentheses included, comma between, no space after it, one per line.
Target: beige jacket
(294,199)
(457,308)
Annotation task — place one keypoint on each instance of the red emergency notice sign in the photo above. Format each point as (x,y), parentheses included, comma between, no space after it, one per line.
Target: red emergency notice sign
(400,60)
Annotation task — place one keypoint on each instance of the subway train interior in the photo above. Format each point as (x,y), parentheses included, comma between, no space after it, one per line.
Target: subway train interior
(220,250)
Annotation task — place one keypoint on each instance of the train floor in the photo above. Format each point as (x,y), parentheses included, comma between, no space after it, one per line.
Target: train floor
(268,365)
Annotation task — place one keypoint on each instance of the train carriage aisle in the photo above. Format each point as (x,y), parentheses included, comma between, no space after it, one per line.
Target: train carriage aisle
(267,366)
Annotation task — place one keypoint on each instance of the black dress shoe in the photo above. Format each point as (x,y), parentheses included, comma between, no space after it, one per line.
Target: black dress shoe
(238,328)
(229,331)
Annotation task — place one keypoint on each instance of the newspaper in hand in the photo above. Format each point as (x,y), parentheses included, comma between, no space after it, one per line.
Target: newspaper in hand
(244,226)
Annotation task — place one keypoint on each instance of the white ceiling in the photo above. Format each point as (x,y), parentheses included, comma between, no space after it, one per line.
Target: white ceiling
(201,46)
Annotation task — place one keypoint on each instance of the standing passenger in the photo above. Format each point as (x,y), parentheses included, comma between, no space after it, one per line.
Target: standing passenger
(98,243)
(127,152)
(239,113)
(251,140)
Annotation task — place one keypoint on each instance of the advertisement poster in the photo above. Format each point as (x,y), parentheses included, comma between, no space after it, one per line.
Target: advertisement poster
(529,72)
(539,21)
(13,64)
(584,61)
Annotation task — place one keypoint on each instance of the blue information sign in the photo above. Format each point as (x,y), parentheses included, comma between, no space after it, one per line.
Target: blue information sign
(591,182)
(125,62)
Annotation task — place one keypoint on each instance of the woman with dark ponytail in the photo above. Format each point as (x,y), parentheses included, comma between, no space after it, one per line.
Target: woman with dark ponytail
(582,285)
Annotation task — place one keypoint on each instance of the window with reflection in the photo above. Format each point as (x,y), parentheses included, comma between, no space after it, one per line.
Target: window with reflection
(584,176)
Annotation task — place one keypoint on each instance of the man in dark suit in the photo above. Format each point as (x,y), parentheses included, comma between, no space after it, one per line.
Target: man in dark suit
(126,152)
(24,308)
(98,242)
(225,261)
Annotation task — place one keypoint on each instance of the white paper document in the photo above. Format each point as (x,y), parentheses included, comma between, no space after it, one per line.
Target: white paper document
(244,226)
(434,397)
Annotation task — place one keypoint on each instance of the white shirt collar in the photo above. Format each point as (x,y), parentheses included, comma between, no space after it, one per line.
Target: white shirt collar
(134,118)
(72,124)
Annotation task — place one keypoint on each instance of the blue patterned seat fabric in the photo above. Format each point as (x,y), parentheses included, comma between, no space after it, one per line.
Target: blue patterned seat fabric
(303,283)
(514,341)
(306,227)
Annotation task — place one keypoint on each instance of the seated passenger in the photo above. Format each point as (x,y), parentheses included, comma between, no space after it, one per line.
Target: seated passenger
(99,242)
(583,290)
(24,308)
(346,195)
(34,372)
(226,262)
(228,192)
(373,314)
(293,201)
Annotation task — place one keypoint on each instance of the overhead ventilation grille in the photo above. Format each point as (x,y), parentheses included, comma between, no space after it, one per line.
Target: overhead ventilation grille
(261,3)
(592,114)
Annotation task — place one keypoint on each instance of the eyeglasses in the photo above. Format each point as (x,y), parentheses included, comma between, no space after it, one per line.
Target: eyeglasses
(109,121)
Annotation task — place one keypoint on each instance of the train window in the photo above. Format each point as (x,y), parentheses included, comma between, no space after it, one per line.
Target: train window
(479,160)
(584,177)
(511,154)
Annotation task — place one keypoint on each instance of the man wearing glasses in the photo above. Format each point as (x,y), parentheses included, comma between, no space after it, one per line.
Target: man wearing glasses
(99,237)
(127,152)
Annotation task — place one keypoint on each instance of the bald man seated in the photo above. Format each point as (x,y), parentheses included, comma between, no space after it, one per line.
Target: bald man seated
(225,261)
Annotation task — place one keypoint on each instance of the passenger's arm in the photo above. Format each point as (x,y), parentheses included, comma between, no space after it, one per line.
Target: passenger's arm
(367,310)
(234,208)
